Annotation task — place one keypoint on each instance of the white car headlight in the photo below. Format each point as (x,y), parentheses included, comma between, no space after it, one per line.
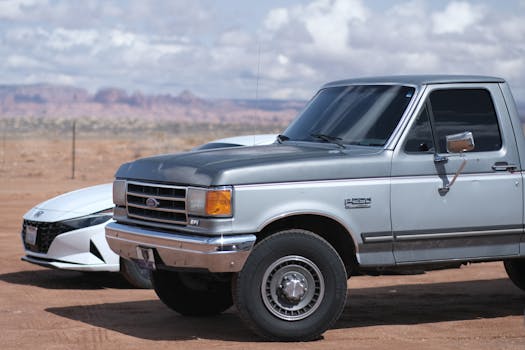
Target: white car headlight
(119,192)
(88,220)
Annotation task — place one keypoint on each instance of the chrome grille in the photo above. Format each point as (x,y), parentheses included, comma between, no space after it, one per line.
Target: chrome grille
(158,203)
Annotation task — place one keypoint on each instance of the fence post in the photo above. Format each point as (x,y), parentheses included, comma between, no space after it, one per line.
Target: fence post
(73,148)
(4,132)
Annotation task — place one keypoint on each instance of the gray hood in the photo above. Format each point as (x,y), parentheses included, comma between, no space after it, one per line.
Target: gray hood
(274,163)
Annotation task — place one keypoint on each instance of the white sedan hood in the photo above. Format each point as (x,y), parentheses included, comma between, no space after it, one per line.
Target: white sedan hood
(249,140)
(73,204)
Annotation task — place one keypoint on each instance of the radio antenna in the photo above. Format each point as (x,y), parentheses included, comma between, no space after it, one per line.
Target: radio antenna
(257,88)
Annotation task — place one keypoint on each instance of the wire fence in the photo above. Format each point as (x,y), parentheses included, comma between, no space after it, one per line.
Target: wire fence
(92,148)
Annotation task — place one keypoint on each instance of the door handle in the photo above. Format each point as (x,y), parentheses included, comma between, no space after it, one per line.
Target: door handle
(504,166)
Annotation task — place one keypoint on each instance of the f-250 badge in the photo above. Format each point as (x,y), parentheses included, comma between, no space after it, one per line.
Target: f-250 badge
(355,203)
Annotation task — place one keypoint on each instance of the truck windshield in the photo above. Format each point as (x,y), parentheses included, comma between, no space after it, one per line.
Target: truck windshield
(356,115)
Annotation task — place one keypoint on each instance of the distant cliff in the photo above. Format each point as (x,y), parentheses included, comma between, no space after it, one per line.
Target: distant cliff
(65,102)
(54,104)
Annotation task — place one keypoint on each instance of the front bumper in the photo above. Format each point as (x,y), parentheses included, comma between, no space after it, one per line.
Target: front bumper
(85,249)
(215,254)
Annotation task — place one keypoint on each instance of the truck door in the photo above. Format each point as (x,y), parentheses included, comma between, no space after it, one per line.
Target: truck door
(481,214)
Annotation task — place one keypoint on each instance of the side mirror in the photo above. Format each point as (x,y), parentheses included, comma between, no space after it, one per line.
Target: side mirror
(459,143)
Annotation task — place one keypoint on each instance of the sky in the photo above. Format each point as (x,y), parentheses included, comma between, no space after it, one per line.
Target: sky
(255,49)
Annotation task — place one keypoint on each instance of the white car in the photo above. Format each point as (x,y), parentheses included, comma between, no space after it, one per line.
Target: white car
(236,141)
(67,232)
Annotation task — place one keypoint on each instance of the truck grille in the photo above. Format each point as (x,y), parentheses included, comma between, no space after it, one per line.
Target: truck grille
(158,203)
(46,233)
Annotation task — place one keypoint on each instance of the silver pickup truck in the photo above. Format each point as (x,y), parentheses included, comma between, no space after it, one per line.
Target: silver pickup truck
(375,174)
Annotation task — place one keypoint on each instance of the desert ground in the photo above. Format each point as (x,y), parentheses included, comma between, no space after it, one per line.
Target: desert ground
(475,307)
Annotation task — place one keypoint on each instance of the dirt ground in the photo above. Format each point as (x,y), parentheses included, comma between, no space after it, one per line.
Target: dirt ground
(475,307)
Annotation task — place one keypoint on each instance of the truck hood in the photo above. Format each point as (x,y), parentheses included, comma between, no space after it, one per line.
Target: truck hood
(274,163)
(73,204)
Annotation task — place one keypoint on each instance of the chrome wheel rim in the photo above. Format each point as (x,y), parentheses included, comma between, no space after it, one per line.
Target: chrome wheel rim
(292,288)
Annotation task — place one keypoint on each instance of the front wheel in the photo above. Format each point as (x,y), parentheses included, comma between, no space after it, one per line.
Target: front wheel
(516,271)
(193,294)
(292,287)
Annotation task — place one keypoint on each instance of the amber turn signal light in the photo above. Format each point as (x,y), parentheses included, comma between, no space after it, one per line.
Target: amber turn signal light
(219,203)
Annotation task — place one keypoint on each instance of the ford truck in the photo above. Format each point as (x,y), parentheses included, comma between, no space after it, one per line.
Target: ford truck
(375,174)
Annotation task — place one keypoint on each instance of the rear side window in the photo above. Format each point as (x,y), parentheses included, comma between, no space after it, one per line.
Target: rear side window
(455,111)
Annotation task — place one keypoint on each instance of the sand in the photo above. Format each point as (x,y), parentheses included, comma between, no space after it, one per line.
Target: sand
(475,307)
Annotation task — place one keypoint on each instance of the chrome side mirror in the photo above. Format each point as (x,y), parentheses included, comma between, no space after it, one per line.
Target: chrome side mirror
(458,143)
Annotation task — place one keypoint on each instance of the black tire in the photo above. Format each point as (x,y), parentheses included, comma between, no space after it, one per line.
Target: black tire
(135,275)
(516,271)
(193,294)
(292,287)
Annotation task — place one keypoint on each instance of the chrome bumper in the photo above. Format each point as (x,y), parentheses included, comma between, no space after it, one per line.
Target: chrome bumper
(216,254)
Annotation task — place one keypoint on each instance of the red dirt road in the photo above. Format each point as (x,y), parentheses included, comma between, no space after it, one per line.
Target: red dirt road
(475,307)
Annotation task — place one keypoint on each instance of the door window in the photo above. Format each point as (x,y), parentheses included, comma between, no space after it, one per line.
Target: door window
(420,136)
(454,111)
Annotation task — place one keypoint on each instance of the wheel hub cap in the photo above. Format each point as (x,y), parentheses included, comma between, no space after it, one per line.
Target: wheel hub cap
(294,287)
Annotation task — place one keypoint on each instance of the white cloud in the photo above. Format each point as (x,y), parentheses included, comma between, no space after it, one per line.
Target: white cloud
(14,9)
(456,18)
(54,78)
(22,34)
(510,68)
(349,38)
(62,39)
(514,28)
(419,62)
(120,38)
(283,60)
(19,61)
(284,93)
(139,50)
(327,22)
(276,18)
(167,46)
(235,38)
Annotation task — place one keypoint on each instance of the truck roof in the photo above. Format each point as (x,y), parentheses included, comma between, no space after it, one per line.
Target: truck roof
(417,80)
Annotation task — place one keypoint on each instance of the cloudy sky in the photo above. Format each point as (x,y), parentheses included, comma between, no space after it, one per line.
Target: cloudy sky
(219,48)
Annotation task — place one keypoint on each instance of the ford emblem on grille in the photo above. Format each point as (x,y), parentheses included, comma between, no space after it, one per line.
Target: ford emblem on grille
(152,203)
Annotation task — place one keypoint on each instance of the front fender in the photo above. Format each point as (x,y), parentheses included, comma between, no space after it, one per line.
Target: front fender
(256,206)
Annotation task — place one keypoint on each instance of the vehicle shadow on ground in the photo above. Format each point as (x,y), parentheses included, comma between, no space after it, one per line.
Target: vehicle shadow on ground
(152,320)
(429,303)
(61,279)
(393,305)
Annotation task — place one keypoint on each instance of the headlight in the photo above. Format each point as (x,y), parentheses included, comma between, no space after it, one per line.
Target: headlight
(210,202)
(88,220)
(119,192)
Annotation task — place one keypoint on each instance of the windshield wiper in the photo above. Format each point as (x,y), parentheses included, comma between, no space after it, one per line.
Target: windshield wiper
(332,139)
(369,144)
